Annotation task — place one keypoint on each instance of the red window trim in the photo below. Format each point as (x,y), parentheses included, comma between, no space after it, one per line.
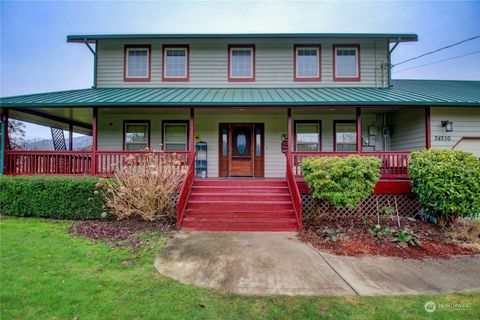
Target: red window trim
(319,122)
(346,79)
(300,79)
(179,46)
(335,132)
(125,57)
(236,46)
(125,122)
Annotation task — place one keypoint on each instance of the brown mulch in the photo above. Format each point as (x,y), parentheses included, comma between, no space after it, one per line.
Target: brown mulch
(356,240)
(120,232)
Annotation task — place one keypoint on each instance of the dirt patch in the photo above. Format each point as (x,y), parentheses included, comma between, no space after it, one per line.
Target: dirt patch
(133,232)
(354,239)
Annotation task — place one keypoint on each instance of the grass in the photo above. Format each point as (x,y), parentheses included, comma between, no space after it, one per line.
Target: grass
(45,273)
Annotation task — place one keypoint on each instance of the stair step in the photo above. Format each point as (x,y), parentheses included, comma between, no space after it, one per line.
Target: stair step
(239,206)
(240,226)
(246,215)
(239,189)
(242,183)
(239,197)
(235,219)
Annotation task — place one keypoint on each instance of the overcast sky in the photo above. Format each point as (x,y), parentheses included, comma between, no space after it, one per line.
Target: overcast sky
(36,58)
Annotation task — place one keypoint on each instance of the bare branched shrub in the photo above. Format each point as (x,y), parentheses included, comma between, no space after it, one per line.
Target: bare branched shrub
(144,186)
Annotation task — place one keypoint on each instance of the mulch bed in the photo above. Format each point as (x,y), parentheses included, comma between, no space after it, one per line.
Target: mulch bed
(120,232)
(356,240)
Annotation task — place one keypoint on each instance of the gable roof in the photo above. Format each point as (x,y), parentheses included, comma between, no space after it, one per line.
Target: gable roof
(403,93)
(392,37)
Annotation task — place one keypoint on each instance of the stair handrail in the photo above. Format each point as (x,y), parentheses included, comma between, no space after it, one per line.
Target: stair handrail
(294,192)
(185,190)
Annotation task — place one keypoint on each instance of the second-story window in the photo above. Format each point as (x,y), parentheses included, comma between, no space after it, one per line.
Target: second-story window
(346,66)
(307,63)
(241,63)
(137,63)
(175,63)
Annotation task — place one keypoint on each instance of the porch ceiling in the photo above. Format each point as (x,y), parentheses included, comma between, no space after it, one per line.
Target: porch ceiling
(403,93)
(81,118)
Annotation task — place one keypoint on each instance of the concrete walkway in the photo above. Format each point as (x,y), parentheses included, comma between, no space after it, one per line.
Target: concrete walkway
(278,263)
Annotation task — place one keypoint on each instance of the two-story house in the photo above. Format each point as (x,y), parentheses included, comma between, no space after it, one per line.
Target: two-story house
(249,107)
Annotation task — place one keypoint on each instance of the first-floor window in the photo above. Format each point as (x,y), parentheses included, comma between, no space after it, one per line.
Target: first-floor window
(307,136)
(175,136)
(137,135)
(345,136)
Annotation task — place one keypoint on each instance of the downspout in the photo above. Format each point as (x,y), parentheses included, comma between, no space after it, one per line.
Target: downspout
(389,58)
(94,60)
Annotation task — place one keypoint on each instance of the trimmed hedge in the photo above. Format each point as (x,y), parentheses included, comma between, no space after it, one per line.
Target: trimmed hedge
(50,197)
(343,181)
(447,183)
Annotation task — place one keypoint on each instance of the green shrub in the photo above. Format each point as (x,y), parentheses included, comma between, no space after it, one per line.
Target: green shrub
(50,197)
(447,183)
(343,181)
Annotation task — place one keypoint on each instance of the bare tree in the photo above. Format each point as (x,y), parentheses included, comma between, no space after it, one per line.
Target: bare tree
(16,134)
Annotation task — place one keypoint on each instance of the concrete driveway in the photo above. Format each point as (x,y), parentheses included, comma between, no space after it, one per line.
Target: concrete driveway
(279,263)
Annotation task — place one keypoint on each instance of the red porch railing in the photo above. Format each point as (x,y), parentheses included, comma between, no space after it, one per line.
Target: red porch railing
(294,192)
(110,161)
(186,188)
(26,162)
(393,164)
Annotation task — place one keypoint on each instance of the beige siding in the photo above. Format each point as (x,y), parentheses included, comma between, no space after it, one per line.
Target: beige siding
(466,123)
(110,136)
(407,129)
(208,63)
(110,125)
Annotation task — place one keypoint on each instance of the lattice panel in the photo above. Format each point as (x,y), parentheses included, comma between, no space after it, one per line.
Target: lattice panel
(58,138)
(406,205)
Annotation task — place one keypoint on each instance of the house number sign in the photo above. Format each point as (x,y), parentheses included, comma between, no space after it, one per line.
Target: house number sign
(443,138)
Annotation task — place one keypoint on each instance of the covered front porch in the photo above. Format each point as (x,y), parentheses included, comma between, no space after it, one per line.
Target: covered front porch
(231,141)
(235,142)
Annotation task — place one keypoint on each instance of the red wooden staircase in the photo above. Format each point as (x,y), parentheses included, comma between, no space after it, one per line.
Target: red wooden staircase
(240,205)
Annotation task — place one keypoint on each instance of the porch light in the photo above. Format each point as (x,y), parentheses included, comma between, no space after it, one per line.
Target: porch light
(448,125)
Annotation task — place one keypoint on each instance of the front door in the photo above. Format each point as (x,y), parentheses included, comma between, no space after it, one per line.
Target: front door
(241,150)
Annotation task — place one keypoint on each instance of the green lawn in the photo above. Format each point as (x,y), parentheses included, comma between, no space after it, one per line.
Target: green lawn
(48,274)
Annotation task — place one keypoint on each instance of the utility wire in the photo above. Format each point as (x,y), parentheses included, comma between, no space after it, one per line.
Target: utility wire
(438,61)
(437,50)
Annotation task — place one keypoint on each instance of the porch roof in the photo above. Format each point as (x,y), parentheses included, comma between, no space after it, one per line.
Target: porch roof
(403,93)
